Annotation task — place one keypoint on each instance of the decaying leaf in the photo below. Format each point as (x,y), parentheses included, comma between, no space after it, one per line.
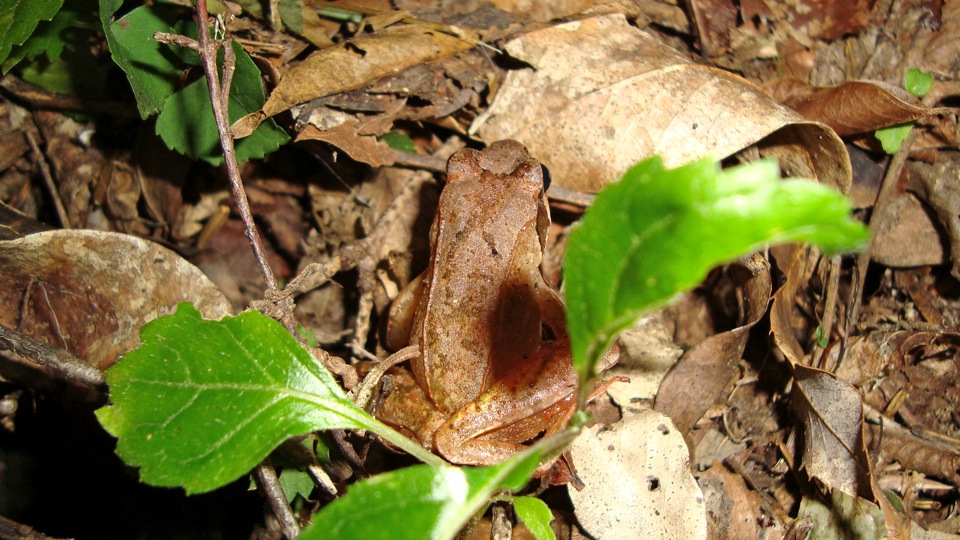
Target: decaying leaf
(939,186)
(638,482)
(851,107)
(830,411)
(602,95)
(90,291)
(351,65)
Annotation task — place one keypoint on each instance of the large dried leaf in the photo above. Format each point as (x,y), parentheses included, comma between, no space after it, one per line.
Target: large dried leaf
(90,291)
(351,65)
(602,95)
(851,107)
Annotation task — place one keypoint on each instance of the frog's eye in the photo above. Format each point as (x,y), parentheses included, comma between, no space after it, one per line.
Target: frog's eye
(546,177)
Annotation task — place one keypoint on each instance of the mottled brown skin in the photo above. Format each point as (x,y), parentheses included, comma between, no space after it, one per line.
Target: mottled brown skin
(483,381)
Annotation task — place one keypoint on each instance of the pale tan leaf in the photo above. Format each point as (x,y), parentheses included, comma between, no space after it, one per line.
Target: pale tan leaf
(638,482)
(602,95)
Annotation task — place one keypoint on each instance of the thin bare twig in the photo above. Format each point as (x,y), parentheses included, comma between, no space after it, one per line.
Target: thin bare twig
(219,96)
(267,479)
(48,181)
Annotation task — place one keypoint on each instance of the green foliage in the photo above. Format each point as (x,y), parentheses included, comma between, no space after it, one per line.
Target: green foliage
(424,501)
(187,125)
(201,402)
(536,515)
(657,232)
(399,141)
(48,39)
(295,482)
(18,20)
(917,82)
(154,70)
(892,137)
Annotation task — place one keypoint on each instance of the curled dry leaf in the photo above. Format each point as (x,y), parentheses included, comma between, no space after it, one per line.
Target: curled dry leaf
(351,65)
(602,95)
(851,107)
(90,291)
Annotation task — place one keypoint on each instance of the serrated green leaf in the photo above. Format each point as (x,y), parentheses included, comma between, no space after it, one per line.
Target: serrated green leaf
(425,501)
(657,232)
(152,68)
(917,82)
(48,39)
(202,402)
(536,515)
(186,123)
(19,18)
(892,137)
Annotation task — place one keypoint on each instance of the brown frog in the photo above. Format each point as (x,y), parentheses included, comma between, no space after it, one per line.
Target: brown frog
(484,379)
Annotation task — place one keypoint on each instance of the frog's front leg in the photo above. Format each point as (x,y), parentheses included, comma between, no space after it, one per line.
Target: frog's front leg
(537,396)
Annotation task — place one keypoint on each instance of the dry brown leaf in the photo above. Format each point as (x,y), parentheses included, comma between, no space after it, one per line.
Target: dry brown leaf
(906,235)
(363,148)
(90,291)
(851,107)
(733,511)
(352,65)
(699,379)
(713,21)
(939,186)
(796,262)
(831,412)
(602,95)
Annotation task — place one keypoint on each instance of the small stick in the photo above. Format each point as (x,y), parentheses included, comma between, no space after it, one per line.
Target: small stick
(266,477)
(219,95)
(48,181)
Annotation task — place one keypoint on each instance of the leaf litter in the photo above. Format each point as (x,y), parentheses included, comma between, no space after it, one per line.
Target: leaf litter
(786,413)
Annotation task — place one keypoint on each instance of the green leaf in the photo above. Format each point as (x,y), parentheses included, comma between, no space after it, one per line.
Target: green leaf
(49,39)
(892,137)
(536,515)
(399,141)
(425,501)
(186,123)
(201,402)
(657,232)
(295,482)
(917,82)
(152,68)
(19,18)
